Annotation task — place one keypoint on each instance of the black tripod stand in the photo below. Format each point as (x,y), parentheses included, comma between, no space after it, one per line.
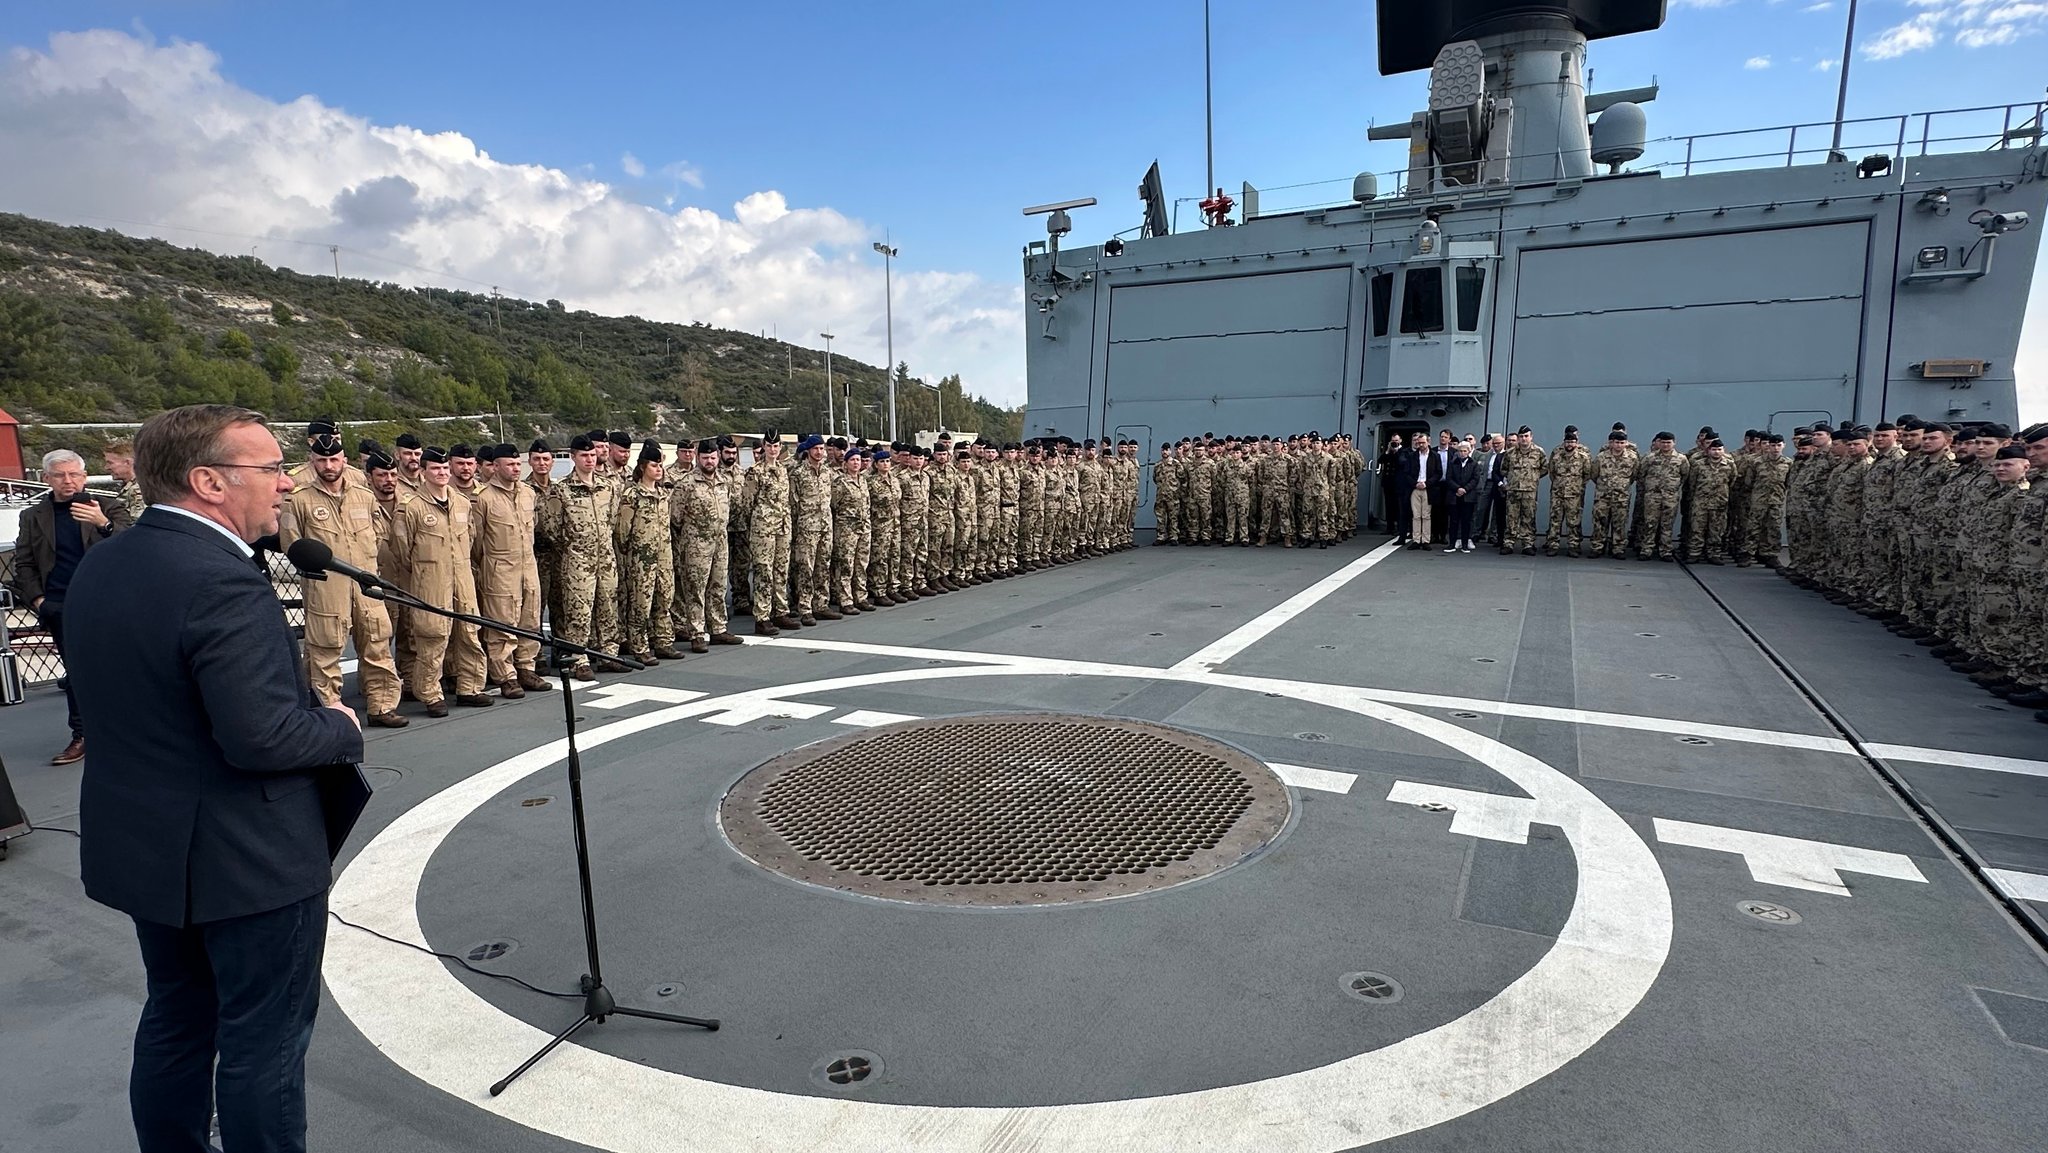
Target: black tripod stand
(597,1000)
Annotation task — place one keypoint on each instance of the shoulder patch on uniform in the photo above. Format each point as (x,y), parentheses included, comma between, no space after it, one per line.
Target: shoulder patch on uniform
(320,512)
(430,520)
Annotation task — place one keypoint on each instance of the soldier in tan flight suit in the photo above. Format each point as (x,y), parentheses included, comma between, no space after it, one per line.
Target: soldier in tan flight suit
(341,514)
(502,519)
(430,543)
(699,509)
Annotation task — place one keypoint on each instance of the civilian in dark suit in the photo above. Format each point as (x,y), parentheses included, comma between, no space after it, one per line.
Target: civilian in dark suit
(56,533)
(216,789)
(1439,496)
(1482,513)
(1495,518)
(1393,498)
(1461,485)
(1407,473)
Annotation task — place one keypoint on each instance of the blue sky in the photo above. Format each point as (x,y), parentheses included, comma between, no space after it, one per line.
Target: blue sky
(933,121)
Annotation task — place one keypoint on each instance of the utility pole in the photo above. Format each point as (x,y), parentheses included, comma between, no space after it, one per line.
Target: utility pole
(334,250)
(828,382)
(889,327)
(497,323)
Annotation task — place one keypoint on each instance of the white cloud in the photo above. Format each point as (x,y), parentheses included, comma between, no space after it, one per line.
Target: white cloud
(1757,63)
(105,126)
(1823,66)
(1823,6)
(1969,23)
(631,166)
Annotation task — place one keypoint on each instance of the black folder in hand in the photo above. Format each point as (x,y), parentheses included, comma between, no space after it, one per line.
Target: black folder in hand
(344,793)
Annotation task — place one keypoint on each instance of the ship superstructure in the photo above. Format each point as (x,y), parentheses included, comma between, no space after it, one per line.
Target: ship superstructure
(1541,261)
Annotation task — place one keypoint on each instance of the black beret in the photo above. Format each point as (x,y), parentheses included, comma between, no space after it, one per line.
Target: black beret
(1521,430)
(461,452)
(366,445)
(1907,417)
(434,454)
(581,444)
(540,445)
(1571,430)
(380,460)
(486,453)
(2036,434)
(725,441)
(407,440)
(321,428)
(1936,426)
(708,444)
(326,444)
(1617,435)
(1716,443)
(1776,438)
(1886,426)
(621,439)
(650,450)
(1708,431)
(2001,431)
(1620,427)
(771,436)
(505,450)
(1858,433)
(597,435)
(1664,436)
(2011,452)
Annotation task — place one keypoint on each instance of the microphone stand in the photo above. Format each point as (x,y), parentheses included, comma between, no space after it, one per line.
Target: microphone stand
(597,999)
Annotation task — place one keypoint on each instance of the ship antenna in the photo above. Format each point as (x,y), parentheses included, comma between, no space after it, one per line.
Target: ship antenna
(1842,90)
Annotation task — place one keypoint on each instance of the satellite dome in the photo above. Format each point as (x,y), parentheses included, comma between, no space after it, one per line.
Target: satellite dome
(1365,188)
(1619,135)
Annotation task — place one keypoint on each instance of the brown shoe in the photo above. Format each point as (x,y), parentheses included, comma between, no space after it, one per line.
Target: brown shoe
(764,629)
(725,638)
(785,621)
(852,610)
(908,595)
(611,665)
(72,754)
(533,682)
(647,659)
(437,708)
(824,614)
(510,690)
(583,673)
(865,606)
(807,621)
(390,720)
(668,652)
(473,700)
(699,645)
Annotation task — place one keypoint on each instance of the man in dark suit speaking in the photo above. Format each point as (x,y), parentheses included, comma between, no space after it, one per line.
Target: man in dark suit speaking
(215,789)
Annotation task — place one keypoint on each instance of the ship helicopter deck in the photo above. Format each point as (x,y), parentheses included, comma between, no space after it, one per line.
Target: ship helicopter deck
(1549,854)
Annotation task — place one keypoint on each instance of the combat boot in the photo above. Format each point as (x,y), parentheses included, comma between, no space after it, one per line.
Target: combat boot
(533,682)
(824,614)
(699,645)
(510,690)
(612,665)
(807,621)
(764,629)
(866,606)
(392,720)
(725,638)
(437,708)
(581,673)
(646,659)
(668,652)
(786,622)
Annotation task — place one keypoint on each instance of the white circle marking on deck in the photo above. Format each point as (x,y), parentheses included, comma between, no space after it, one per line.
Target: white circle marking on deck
(1604,961)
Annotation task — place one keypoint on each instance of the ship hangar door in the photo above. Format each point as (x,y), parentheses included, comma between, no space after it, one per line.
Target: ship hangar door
(1261,354)
(1680,332)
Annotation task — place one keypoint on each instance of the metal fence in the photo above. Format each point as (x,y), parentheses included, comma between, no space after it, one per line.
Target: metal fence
(37,653)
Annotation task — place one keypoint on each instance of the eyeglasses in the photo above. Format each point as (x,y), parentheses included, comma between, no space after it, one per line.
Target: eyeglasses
(275,469)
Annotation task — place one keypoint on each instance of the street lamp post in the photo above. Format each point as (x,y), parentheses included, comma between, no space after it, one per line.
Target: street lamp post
(939,391)
(828,382)
(889,330)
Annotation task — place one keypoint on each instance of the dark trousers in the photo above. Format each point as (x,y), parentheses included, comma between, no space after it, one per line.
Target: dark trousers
(1461,521)
(1393,507)
(1496,513)
(1439,511)
(51,616)
(245,991)
(1482,510)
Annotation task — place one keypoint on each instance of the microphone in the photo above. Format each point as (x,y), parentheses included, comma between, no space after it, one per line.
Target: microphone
(314,558)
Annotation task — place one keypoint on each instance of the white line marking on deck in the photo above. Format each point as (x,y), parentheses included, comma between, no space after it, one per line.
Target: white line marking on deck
(1307,777)
(2019,886)
(1252,631)
(618,696)
(1924,756)
(746,710)
(869,719)
(1791,861)
(1489,815)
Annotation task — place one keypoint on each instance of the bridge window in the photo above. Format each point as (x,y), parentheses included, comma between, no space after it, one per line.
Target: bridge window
(1422,300)
(1382,301)
(1471,288)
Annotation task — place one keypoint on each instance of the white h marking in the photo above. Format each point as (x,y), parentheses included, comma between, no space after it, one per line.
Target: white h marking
(1789,861)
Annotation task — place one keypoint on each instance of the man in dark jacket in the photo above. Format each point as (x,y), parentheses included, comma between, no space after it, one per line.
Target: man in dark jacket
(1406,473)
(56,533)
(217,791)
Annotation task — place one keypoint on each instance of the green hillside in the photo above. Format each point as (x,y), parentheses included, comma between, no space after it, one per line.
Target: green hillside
(100,327)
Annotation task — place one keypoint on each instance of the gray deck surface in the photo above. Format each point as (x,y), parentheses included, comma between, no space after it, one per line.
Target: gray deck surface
(1906,1015)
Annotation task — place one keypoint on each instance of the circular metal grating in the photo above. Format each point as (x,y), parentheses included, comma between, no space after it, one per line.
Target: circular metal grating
(1015,809)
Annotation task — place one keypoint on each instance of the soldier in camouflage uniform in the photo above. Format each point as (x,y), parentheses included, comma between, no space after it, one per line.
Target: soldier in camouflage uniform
(885,539)
(1842,570)
(1009,494)
(1707,525)
(578,525)
(944,478)
(1920,491)
(913,523)
(738,563)
(966,518)
(1660,478)
(1276,496)
(1237,498)
(1312,486)
(1166,496)
(764,504)
(540,466)
(2027,564)
(1523,471)
(1969,486)
(647,561)
(502,520)
(430,543)
(1569,466)
(1198,499)
(1613,472)
(811,555)
(700,508)
(851,523)
(120,456)
(1998,652)
(1031,510)
(1758,541)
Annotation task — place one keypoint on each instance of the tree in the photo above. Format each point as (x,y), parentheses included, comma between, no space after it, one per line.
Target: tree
(234,344)
(280,361)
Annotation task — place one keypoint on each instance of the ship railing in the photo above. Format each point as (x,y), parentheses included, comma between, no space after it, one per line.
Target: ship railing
(1989,126)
